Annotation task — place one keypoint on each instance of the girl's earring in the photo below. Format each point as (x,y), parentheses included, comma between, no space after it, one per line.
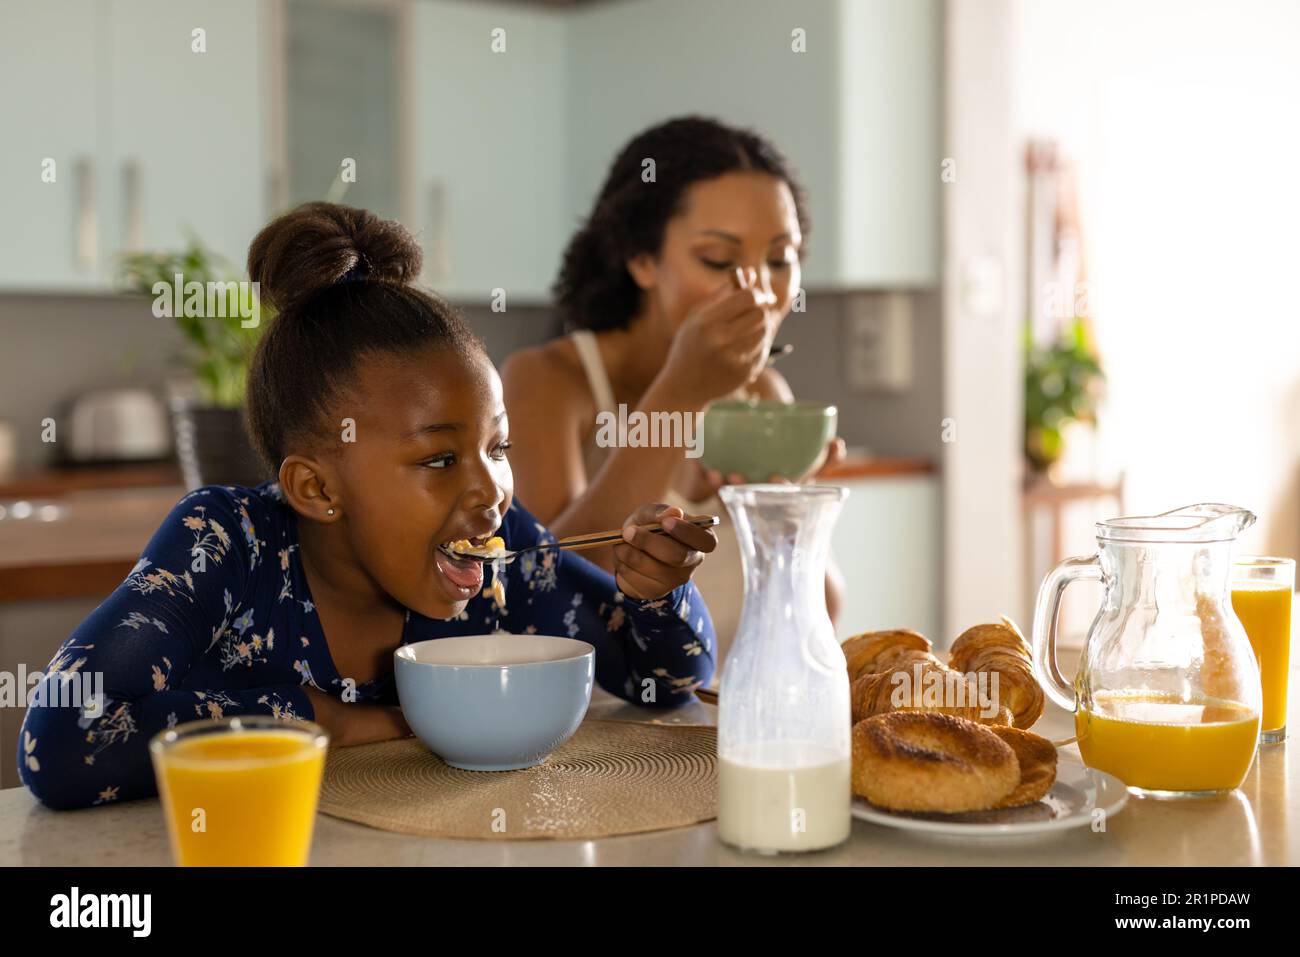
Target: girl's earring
(329,511)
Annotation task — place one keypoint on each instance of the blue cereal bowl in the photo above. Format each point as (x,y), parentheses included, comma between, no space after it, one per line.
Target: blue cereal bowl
(494,702)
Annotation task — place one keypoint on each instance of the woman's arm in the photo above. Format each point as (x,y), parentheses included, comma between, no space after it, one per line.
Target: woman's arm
(550,414)
(112,684)
(652,652)
(721,345)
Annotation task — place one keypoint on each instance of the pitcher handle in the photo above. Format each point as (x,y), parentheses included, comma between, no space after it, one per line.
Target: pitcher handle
(1045,608)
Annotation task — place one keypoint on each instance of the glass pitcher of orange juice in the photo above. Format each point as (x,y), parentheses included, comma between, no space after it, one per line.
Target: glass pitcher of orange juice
(1167,694)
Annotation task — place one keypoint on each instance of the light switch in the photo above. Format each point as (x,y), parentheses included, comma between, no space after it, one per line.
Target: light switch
(981,286)
(879,348)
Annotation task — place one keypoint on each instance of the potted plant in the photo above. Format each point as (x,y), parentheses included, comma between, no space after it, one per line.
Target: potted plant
(1063,384)
(203,294)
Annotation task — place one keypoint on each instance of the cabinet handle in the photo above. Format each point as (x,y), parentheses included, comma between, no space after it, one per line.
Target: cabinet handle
(277,192)
(133,213)
(436,265)
(86,228)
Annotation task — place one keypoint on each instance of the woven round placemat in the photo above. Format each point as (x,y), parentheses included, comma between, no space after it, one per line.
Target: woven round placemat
(610,778)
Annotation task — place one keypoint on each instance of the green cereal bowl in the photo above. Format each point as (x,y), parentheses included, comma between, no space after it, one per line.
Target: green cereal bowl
(760,439)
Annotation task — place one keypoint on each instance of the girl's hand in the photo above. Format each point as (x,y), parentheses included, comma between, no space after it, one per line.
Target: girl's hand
(834,455)
(358,722)
(648,565)
(721,345)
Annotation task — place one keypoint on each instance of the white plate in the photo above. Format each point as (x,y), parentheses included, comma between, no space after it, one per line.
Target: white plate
(1077,793)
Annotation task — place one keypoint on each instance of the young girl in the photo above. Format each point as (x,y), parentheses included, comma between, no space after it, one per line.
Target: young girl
(384,418)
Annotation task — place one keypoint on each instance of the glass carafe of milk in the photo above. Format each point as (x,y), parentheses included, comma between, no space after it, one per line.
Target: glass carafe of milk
(783,702)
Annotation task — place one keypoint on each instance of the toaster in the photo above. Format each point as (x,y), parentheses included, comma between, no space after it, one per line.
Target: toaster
(114,425)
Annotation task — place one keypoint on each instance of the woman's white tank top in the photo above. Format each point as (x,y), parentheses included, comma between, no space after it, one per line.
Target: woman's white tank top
(720,577)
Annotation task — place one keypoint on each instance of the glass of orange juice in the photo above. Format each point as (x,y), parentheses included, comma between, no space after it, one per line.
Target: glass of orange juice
(240,792)
(1261,597)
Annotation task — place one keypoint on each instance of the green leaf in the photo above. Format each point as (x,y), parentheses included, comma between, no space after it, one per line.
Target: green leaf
(1063,383)
(218,348)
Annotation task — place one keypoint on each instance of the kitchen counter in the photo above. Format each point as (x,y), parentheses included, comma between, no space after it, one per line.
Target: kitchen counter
(44,483)
(101,519)
(1258,824)
(864,466)
(78,544)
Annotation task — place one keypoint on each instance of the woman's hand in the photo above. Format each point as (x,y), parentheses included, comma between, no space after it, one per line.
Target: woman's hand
(721,345)
(836,453)
(648,565)
(358,722)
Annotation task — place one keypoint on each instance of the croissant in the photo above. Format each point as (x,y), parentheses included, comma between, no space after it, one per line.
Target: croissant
(1001,649)
(862,652)
(879,656)
(876,694)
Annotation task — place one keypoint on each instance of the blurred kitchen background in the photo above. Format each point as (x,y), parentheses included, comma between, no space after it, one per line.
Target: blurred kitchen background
(1045,283)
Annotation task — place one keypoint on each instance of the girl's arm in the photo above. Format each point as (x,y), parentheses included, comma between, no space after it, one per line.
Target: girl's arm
(113,684)
(356,722)
(654,653)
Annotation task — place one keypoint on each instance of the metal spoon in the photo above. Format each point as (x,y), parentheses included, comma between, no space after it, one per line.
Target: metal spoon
(578,542)
(739,281)
(779,352)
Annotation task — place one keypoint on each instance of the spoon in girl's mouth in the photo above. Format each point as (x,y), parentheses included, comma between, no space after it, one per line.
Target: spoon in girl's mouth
(494,549)
(464,574)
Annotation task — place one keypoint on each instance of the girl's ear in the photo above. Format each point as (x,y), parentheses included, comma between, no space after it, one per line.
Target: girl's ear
(644,270)
(304,485)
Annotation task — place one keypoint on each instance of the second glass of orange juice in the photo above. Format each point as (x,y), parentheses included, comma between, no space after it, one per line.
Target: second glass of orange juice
(1261,597)
(240,791)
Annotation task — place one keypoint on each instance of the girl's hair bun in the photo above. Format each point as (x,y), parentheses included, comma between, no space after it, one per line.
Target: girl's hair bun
(316,245)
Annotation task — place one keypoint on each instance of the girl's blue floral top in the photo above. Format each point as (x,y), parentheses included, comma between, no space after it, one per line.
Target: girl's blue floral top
(216,619)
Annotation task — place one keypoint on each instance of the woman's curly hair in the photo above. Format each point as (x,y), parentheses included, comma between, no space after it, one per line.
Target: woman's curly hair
(594,289)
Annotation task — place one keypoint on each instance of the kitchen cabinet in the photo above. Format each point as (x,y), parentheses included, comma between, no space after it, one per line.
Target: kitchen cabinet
(346,135)
(492,147)
(184,129)
(48,112)
(150,138)
(486,127)
(514,144)
(857,112)
(886,544)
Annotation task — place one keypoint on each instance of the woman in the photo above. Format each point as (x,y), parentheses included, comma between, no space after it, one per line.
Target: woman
(383,418)
(675,288)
